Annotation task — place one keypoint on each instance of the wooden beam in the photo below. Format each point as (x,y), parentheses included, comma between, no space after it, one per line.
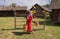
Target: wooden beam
(44,22)
(15,18)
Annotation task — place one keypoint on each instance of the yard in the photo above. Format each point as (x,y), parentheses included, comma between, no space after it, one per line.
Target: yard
(8,31)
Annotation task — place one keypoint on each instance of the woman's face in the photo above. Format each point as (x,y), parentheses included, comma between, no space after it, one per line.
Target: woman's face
(30,12)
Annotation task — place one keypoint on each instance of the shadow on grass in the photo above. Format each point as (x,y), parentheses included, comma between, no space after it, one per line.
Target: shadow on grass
(49,23)
(20,33)
(13,29)
(37,29)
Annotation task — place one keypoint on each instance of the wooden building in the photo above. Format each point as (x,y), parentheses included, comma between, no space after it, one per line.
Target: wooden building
(39,10)
(55,14)
(9,11)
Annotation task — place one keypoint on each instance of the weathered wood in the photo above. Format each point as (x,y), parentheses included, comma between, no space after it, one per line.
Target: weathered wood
(15,19)
(44,22)
(55,16)
(55,4)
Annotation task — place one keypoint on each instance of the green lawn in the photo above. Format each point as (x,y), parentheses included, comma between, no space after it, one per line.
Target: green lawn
(8,31)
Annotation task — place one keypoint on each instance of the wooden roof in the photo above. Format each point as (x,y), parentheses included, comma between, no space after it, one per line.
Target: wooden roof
(46,9)
(55,4)
(12,8)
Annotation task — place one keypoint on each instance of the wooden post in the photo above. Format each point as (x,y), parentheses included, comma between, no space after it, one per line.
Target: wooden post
(14,11)
(44,12)
(44,22)
(15,18)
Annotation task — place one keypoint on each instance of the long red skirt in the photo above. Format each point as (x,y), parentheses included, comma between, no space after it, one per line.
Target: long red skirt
(29,27)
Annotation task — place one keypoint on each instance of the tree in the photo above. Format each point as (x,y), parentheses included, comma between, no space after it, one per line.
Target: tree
(13,4)
(47,5)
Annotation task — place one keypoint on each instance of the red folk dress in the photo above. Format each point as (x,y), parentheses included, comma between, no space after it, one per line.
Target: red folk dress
(29,23)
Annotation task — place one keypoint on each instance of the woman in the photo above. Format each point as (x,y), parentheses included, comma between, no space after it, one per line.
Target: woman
(29,21)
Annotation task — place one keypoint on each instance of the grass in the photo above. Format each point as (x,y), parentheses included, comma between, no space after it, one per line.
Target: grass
(7,30)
